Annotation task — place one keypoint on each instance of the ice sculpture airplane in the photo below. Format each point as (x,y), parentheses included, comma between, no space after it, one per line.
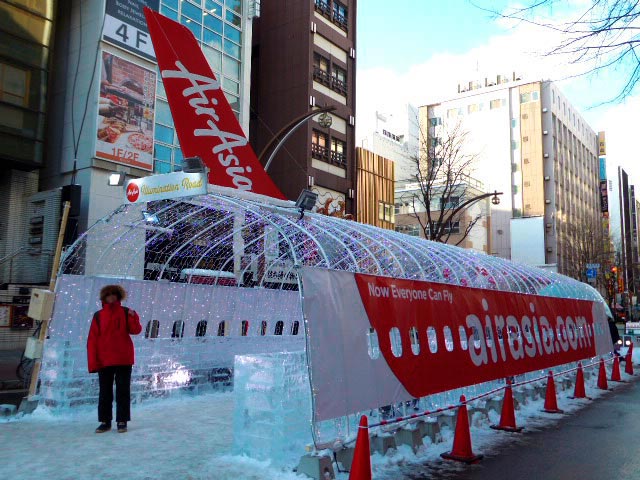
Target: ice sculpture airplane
(205,123)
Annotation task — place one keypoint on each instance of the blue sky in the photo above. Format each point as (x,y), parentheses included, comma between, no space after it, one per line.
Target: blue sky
(400,33)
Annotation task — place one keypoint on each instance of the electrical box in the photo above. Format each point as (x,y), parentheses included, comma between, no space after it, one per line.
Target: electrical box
(33,349)
(41,304)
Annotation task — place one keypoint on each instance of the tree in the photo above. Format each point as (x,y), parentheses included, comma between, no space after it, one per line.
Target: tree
(586,243)
(440,193)
(605,35)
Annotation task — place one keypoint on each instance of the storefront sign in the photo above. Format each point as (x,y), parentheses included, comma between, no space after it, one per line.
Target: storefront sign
(603,168)
(604,197)
(125,113)
(126,27)
(602,144)
(205,124)
(377,340)
(162,187)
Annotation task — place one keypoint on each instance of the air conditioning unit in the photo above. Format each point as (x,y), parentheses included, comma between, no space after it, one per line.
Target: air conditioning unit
(547,201)
(546,155)
(549,249)
(547,178)
(544,132)
(549,226)
(544,110)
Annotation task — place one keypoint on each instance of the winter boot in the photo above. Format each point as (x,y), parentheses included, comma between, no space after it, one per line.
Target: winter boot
(104,427)
(122,427)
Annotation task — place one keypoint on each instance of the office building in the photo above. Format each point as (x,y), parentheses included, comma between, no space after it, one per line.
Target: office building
(304,57)
(534,148)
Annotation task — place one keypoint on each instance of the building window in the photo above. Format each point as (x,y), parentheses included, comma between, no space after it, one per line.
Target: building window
(244,329)
(222,326)
(525,97)
(451,202)
(340,15)
(338,152)
(321,69)
(412,230)
(452,113)
(339,80)
(386,212)
(279,328)
(435,141)
(14,85)
(435,121)
(319,146)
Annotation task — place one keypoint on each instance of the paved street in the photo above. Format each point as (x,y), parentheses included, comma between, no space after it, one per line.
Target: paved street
(600,441)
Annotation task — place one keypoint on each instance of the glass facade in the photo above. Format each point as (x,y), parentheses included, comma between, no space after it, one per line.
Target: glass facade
(218,26)
(25,37)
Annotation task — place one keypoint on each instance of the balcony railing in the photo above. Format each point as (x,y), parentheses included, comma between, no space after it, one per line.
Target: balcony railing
(327,155)
(324,8)
(335,84)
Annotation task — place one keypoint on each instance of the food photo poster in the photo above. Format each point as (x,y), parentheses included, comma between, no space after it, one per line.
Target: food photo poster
(125,113)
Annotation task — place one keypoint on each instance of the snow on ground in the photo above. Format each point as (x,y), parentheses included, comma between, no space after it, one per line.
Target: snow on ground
(192,438)
(181,438)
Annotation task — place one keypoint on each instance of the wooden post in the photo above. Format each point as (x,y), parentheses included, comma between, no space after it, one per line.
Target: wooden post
(44,326)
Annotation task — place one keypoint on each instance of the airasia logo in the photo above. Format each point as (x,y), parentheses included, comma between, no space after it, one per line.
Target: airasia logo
(133,192)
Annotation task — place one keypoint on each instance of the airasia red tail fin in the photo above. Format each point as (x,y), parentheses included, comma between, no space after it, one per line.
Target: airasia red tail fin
(204,121)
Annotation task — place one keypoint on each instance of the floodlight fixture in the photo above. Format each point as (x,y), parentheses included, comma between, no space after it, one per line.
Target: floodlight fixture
(193,165)
(150,217)
(116,179)
(306,201)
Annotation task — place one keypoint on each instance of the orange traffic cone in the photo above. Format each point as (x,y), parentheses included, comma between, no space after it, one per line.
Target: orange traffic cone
(628,361)
(550,402)
(508,415)
(579,391)
(462,451)
(361,465)
(615,370)
(602,376)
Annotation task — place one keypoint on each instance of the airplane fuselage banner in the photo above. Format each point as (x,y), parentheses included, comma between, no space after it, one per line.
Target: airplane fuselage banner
(375,340)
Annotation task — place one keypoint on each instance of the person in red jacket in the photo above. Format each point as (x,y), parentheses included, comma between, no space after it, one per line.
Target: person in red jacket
(110,353)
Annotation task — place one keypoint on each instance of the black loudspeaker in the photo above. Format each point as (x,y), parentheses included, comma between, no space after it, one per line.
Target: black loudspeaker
(72,193)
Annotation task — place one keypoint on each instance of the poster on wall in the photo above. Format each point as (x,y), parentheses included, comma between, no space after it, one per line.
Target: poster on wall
(604,197)
(126,27)
(125,113)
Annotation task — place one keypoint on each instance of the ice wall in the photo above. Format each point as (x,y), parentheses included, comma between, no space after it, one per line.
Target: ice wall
(272,415)
(166,364)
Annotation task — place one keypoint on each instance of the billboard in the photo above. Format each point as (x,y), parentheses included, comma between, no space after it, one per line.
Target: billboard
(125,113)
(126,27)
(377,341)
(604,197)
(527,240)
(603,168)
(602,144)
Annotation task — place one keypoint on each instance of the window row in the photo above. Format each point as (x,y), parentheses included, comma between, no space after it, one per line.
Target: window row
(571,334)
(529,97)
(335,11)
(329,74)
(177,330)
(330,150)
(386,212)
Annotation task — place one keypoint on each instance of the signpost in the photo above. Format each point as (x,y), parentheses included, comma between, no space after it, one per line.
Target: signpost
(126,27)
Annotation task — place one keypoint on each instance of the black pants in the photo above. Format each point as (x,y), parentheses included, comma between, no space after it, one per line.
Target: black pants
(122,375)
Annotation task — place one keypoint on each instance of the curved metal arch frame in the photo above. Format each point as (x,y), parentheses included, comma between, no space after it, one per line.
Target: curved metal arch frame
(349,246)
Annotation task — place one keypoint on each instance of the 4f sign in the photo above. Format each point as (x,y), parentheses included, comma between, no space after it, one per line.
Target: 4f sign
(126,27)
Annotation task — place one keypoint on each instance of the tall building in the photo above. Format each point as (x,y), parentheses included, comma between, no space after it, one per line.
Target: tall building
(26,61)
(628,247)
(532,145)
(108,108)
(393,134)
(303,58)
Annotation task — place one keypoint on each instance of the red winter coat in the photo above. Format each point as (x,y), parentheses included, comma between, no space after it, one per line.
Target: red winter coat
(109,343)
